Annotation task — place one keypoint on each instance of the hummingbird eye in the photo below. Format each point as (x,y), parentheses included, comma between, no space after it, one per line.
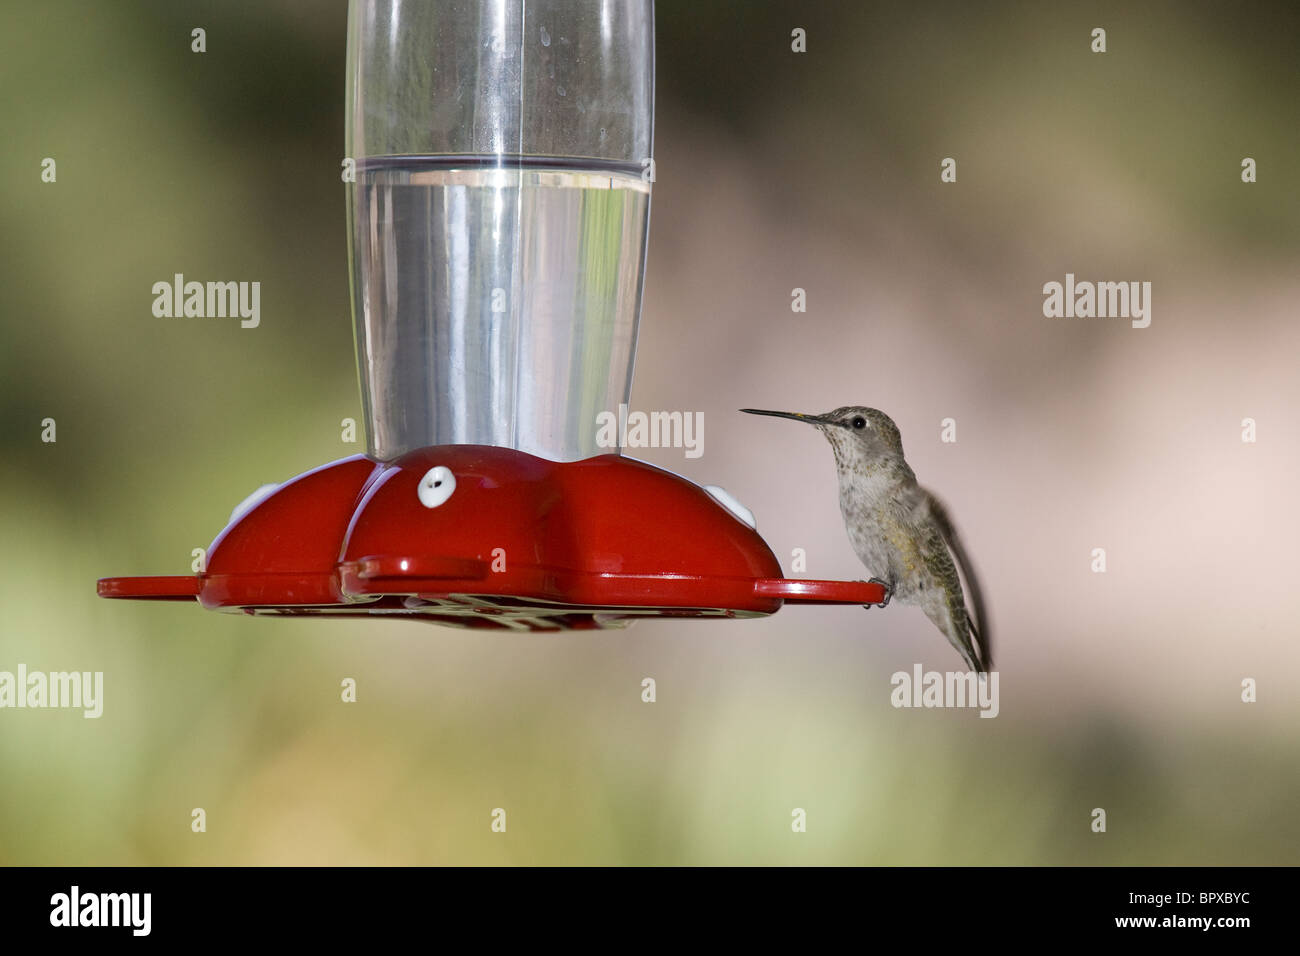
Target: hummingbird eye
(858,422)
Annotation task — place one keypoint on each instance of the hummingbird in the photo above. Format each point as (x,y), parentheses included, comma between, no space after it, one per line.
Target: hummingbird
(900,531)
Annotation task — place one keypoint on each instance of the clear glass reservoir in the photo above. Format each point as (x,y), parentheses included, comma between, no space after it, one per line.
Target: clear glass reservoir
(498,221)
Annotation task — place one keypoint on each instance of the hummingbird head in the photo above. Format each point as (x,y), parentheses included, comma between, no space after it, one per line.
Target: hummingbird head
(861,437)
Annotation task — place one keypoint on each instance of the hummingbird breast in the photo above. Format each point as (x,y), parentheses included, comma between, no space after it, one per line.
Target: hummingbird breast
(882,528)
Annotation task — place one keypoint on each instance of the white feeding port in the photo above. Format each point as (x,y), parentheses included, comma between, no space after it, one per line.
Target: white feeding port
(436,486)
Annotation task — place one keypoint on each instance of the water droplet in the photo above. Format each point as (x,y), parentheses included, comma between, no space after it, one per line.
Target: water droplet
(546,37)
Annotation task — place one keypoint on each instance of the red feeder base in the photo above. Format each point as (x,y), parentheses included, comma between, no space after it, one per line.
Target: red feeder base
(475,536)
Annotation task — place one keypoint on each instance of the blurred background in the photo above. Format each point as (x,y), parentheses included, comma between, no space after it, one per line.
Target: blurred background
(775,170)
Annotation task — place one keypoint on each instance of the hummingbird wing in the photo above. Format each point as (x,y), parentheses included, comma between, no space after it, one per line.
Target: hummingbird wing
(976,615)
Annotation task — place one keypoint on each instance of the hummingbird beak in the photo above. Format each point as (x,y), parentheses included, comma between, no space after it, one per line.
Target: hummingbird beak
(817,420)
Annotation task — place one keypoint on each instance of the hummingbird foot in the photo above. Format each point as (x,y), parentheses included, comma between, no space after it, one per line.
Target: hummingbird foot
(889,593)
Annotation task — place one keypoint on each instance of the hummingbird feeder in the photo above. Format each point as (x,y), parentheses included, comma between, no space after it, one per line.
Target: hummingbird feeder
(497,232)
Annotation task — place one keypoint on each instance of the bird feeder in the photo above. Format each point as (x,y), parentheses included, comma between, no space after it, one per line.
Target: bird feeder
(497,233)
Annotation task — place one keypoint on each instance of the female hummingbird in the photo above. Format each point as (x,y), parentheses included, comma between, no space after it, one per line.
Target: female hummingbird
(900,531)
